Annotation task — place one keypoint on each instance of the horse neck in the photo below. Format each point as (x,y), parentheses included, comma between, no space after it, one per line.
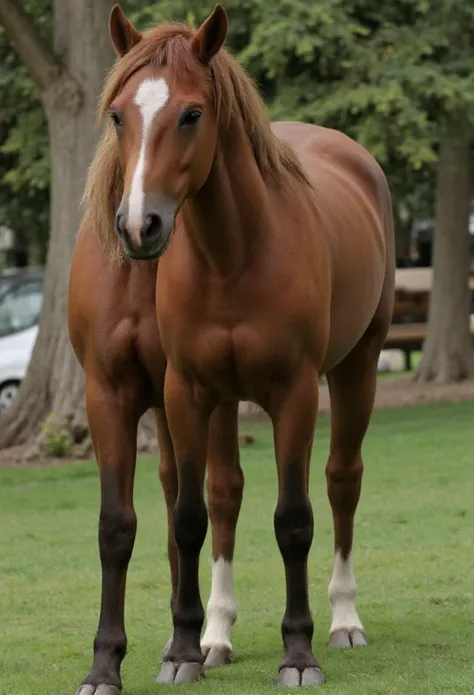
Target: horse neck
(224,218)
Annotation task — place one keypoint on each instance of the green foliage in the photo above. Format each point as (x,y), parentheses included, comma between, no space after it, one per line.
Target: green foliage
(55,440)
(194,12)
(28,140)
(24,142)
(386,74)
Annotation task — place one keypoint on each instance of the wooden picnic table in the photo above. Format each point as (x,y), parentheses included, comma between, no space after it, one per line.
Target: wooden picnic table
(412,292)
(418,279)
(412,295)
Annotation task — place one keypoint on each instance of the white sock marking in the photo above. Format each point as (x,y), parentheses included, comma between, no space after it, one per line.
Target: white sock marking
(342,595)
(150,97)
(222,606)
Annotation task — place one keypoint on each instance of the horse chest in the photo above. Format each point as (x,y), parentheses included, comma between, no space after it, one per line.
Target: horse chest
(243,362)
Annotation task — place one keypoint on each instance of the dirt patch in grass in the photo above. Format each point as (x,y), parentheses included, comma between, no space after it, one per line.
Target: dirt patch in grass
(392,392)
(397,392)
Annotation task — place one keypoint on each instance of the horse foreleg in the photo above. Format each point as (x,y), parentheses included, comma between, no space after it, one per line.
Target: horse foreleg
(169,481)
(113,428)
(293,415)
(352,388)
(189,426)
(225,482)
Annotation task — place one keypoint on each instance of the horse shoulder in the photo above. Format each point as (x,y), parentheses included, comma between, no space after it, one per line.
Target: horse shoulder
(111,312)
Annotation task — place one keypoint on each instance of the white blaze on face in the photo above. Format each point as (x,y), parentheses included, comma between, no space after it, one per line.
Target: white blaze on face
(221,608)
(150,97)
(342,595)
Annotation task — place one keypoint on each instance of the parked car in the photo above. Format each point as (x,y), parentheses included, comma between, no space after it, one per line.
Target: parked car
(21,299)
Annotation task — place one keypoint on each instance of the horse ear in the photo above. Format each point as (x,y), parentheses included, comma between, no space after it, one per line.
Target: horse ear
(210,36)
(123,34)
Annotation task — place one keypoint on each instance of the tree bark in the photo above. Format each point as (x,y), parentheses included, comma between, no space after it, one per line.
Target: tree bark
(448,353)
(75,69)
(402,236)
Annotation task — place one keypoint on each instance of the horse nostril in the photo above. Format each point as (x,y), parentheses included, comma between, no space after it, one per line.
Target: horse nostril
(121,225)
(151,227)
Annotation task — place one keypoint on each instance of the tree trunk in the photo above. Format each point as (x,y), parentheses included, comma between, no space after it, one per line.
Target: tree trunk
(403,227)
(448,353)
(55,382)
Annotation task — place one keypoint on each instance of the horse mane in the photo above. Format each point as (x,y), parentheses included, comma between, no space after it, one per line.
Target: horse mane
(168,44)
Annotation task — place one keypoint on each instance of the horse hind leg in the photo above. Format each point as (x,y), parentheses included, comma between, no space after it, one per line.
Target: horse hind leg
(352,387)
(225,484)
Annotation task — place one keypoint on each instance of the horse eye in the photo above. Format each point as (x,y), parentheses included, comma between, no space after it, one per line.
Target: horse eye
(117,121)
(189,118)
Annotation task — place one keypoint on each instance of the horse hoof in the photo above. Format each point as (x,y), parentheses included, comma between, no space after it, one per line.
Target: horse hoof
(289,677)
(187,672)
(348,638)
(358,638)
(101,689)
(217,656)
(312,676)
(293,678)
(167,672)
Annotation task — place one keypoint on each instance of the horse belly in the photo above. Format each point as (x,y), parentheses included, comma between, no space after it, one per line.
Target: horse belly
(353,309)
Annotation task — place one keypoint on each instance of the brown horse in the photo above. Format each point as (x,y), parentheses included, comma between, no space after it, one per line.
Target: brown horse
(277,266)
(114,333)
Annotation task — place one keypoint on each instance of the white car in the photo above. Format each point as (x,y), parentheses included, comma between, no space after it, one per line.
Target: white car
(20,308)
(15,355)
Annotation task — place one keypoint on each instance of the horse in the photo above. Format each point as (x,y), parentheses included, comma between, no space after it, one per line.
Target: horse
(276,266)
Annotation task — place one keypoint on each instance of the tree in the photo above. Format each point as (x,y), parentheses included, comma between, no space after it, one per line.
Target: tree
(448,353)
(68,72)
(430,64)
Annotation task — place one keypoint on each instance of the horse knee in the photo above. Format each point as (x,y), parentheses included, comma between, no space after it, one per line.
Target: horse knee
(344,478)
(117,529)
(293,522)
(225,497)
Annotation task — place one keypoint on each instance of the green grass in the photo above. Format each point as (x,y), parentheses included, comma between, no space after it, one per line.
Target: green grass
(413,562)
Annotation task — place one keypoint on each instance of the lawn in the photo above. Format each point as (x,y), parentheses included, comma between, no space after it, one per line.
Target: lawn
(413,562)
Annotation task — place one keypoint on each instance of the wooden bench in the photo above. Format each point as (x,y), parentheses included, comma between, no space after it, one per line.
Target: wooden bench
(410,313)
(407,337)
